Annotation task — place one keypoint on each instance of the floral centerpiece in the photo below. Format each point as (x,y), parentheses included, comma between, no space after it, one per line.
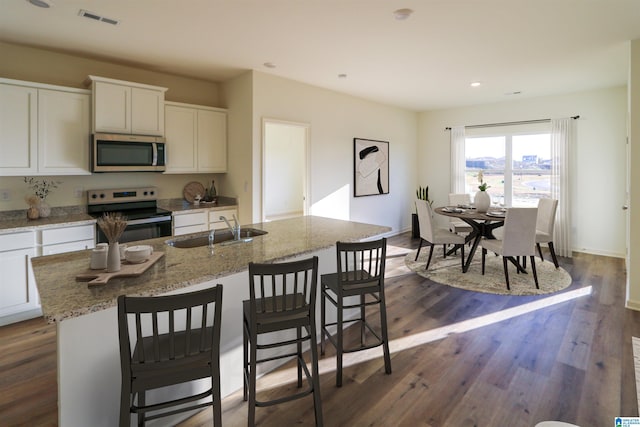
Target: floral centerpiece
(482,200)
(41,189)
(113,225)
(483,185)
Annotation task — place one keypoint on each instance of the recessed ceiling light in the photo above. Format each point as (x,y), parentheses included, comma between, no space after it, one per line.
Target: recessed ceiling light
(475,84)
(402,14)
(41,3)
(269,65)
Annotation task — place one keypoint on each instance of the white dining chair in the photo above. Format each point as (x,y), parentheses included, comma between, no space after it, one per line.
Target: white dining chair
(434,235)
(457,225)
(518,240)
(544,226)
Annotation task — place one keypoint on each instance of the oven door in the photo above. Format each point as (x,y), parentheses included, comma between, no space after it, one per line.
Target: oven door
(140,229)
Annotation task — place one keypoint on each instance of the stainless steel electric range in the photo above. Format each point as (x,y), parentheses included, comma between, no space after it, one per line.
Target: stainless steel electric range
(145,220)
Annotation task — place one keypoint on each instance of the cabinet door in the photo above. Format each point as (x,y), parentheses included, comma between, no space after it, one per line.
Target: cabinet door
(147,111)
(17,286)
(63,132)
(18,292)
(111,108)
(181,135)
(18,130)
(212,141)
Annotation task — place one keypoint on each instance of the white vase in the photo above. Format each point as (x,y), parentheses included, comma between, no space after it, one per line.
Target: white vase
(482,201)
(44,209)
(113,257)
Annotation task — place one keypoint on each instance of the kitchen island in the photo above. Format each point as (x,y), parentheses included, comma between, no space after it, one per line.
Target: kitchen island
(86,318)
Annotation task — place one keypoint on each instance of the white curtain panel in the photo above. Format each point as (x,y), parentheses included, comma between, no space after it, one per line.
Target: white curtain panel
(562,139)
(457,160)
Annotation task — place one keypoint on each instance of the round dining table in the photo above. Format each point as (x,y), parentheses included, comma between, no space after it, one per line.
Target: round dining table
(482,225)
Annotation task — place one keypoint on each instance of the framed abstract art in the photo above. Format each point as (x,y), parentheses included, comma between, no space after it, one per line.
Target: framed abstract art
(370,167)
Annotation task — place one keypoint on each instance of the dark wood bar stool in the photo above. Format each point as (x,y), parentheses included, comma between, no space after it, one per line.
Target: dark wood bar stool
(360,275)
(177,340)
(282,298)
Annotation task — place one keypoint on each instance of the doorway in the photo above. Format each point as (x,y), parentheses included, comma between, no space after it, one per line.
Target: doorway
(285,169)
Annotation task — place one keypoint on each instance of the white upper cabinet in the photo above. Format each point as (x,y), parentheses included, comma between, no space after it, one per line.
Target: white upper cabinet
(196,138)
(64,133)
(126,107)
(44,129)
(18,130)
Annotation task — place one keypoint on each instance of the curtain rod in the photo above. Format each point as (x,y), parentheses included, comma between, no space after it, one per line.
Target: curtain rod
(522,122)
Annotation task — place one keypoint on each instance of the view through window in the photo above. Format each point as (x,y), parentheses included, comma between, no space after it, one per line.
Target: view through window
(516,167)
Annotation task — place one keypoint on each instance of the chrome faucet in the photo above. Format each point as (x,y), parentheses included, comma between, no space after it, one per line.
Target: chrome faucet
(235,231)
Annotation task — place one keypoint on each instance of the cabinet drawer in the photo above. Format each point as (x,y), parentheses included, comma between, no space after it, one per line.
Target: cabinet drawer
(189,229)
(54,236)
(188,219)
(21,240)
(214,216)
(68,247)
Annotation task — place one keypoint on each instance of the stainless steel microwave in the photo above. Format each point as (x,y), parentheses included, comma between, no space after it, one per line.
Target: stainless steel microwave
(127,153)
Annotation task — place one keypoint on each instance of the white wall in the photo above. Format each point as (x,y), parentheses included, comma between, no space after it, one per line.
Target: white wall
(335,119)
(598,183)
(237,96)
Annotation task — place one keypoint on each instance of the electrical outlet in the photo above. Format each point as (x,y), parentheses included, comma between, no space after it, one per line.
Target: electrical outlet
(77,192)
(5,195)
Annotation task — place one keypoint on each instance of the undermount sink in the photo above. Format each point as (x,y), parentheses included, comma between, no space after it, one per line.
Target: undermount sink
(220,236)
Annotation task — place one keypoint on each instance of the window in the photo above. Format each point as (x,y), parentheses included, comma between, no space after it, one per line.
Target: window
(517,167)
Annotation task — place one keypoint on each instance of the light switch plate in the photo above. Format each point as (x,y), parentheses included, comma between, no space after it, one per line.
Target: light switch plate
(5,195)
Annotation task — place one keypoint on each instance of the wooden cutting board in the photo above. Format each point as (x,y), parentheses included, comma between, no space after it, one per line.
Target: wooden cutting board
(101,277)
(191,190)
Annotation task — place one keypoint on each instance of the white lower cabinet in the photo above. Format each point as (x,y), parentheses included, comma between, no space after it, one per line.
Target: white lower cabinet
(189,222)
(201,220)
(18,291)
(215,223)
(67,239)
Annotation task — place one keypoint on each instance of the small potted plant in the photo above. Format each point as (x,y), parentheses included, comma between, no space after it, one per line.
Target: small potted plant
(422,193)
(41,188)
(482,200)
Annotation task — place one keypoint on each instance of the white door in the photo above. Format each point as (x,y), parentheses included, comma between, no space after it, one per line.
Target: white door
(285,169)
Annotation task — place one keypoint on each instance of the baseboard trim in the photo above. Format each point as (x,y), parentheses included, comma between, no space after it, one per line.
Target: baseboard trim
(632,305)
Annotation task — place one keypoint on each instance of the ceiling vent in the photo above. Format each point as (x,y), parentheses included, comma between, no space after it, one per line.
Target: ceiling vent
(91,15)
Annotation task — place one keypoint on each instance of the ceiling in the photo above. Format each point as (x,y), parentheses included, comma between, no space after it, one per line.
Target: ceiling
(515,48)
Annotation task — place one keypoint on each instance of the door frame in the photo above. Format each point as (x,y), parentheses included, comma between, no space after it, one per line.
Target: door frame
(306,186)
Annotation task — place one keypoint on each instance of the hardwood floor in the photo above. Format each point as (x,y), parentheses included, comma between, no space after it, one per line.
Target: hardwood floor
(459,359)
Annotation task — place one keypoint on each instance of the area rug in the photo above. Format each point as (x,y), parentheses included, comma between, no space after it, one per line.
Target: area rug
(448,271)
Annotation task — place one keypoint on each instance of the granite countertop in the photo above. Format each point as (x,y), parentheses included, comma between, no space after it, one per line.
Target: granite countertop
(63,297)
(16,221)
(180,205)
(13,225)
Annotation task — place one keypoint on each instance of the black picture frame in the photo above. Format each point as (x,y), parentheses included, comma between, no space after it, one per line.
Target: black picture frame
(370,167)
